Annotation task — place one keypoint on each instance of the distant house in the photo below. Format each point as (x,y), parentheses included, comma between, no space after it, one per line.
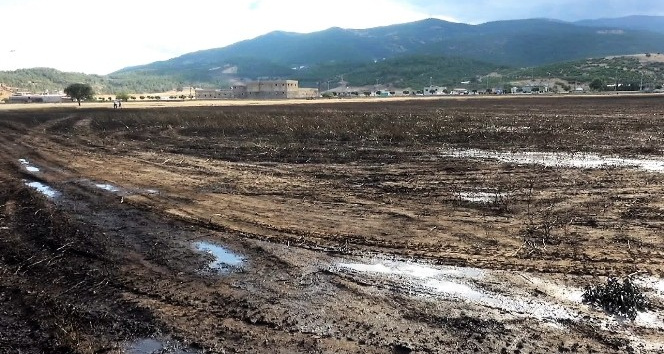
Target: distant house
(261,89)
(460,91)
(27,97)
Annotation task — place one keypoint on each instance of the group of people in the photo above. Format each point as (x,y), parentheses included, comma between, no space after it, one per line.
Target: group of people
(117,104)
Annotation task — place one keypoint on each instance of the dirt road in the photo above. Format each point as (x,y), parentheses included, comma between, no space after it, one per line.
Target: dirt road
(423,226)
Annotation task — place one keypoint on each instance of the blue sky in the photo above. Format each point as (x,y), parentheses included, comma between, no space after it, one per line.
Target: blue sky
(101,36)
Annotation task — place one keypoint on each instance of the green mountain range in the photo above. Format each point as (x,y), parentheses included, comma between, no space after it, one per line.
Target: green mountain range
(639,23)
(405,55)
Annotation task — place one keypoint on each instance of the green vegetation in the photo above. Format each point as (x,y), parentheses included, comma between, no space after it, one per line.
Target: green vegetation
(79,92)
(626,71)
(46,79)
(123,96)
(408,71)
(622,299)
(517,43)
(414,71)
(40,80)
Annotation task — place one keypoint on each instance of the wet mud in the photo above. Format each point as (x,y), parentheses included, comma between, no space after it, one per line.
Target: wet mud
(424,226)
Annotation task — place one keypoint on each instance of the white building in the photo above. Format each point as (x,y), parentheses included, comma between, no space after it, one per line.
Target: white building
(27,97)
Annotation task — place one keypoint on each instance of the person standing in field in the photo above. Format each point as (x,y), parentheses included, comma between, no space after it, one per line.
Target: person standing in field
(115,104)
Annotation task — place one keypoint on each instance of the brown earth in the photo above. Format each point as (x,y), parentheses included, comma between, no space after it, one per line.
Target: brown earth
(302,190)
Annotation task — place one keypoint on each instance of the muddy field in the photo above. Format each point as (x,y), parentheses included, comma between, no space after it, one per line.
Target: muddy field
(422,226)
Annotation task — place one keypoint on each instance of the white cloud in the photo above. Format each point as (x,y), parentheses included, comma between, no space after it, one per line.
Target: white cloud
(101,37)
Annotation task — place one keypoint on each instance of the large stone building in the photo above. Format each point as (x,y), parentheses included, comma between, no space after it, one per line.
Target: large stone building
(261,89)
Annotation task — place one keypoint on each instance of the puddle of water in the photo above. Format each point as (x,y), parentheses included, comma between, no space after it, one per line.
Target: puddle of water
(454,288)
(569,294)
(28,166)
(223,258)
(555,325)
(539,309)
(145,346)
(414,270)
(43,189)
(454,282)
(481,197)
(649,320)
(646,345)
(154,346)
(653,283)
(551,159)
(504,129)
(107,187)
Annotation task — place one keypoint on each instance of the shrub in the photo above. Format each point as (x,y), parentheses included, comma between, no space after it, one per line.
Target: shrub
(122,96)
(623,299)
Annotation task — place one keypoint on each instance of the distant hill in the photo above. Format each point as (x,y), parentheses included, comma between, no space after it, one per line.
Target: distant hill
(46,79)
(641,23)
(403,55)
(515,43)
(646,69)
(406,71)
(39,80)
(414,71)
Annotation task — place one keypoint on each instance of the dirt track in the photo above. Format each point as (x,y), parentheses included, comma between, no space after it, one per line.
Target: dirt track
(378,227)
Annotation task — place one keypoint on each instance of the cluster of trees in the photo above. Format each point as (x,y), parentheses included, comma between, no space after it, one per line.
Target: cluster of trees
(599,85)
(407,71)
(46,79)
(52,80)
(81,92)
(601,74)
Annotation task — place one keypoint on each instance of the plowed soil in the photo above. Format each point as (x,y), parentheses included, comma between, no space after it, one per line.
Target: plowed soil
(365,227)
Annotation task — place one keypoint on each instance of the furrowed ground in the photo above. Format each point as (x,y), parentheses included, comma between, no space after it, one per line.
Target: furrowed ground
(450,225)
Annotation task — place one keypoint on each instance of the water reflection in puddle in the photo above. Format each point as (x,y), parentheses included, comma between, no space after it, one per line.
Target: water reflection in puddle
(43,189)
(28,166)
(414,270)
(551,159)
(655,284)
(154,346)
(459,283)
(145,346)
(482,197)
(223,258)
(505,292)
(107,187)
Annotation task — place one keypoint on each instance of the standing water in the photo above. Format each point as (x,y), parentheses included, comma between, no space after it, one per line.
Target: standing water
(223,258)
(43,189)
